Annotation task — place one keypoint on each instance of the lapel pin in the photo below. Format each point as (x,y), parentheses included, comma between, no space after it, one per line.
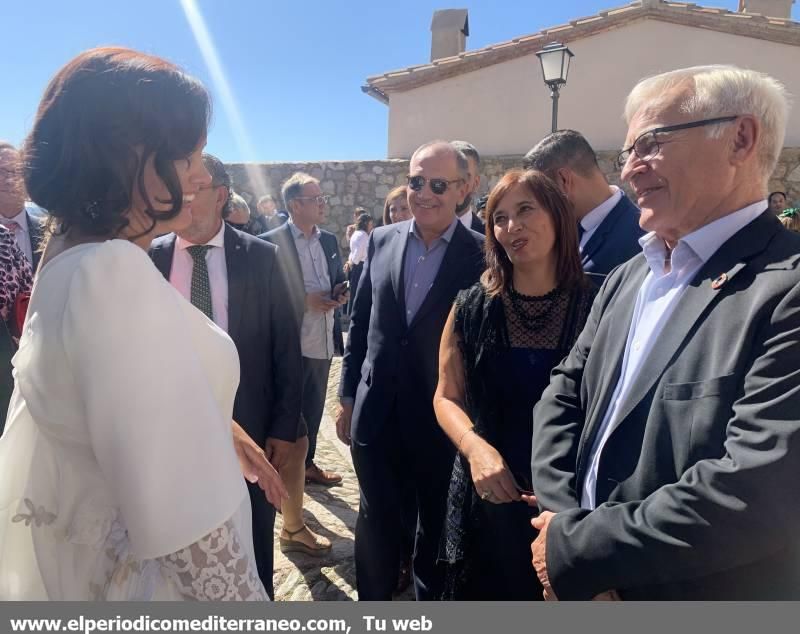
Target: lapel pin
(719,282)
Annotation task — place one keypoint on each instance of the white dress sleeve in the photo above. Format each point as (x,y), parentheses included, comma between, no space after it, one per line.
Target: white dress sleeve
(158,429)
(216,568)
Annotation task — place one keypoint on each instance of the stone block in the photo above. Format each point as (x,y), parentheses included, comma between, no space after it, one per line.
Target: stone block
(377,169)
(368,178)
(329,187)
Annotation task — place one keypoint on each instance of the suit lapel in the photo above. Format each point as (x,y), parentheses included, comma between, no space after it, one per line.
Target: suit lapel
(730,259)
(161,253)
(329,249)
(35,229)
(397,259)
(236,264)
(599,237)
(448,270)
(291,248)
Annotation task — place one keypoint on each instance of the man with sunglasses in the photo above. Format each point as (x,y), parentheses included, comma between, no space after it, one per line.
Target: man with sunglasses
(667,446)
(413,271)
(608,222)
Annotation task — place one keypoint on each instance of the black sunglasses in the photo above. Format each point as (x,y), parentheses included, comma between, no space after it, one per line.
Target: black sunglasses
(438,185)
(647,145)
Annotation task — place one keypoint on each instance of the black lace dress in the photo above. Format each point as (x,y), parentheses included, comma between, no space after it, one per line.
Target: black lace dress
(509,344)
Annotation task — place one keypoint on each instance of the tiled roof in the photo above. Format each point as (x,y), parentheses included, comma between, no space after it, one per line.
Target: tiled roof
(783,31)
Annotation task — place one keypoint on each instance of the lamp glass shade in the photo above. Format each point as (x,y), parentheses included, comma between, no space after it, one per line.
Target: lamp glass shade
(555,59)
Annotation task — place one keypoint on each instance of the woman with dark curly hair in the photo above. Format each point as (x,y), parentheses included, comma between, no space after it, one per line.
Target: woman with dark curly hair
(124,391)
(503,337)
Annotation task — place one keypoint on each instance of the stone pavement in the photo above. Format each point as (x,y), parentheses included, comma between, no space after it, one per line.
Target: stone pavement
(329,511)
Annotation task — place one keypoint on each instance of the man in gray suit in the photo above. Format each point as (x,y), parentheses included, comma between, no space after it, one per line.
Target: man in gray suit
(666,448)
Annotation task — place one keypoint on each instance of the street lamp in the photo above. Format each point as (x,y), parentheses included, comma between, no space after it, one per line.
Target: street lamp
(555,66)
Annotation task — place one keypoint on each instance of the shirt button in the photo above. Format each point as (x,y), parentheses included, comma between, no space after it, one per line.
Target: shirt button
(422,259)
(416,285)
(637,346)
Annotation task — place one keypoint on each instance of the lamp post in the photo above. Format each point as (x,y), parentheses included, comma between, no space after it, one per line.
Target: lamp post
(554,59)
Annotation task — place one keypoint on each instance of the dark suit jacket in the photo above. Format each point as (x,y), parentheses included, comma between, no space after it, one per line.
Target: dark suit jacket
(266,335)
(290,261)
(36,232)
(477,225)
(388,362)
(615,241)
(697,485)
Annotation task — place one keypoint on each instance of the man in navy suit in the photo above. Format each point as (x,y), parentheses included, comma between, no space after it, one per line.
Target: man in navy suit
(413,271)
(246,297)
(608,222)
(466,210)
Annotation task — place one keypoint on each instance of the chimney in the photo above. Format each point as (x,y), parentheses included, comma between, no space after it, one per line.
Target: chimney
(449,31)
(769,8)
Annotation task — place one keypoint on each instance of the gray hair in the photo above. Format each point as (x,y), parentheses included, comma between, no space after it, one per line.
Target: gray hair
(265,198)
(237,202)
(293,187)
(720,90)
(468,150)
(564,148)
(461,160)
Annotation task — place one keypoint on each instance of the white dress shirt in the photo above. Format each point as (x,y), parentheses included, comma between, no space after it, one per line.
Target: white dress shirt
(359,244)
(659,295)
(21,233)
(316,332)
(180,276)
(466,218)
(595,217)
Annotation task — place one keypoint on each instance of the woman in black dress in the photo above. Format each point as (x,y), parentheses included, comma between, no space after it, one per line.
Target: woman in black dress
(503,337)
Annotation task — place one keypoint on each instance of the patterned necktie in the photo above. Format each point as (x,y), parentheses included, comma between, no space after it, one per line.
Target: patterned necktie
(11,225)
(201,287)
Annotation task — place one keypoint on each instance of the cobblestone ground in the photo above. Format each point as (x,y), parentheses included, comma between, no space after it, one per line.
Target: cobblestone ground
(329,511)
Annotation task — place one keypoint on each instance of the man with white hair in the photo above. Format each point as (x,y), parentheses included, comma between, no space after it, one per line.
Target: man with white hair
(666,448)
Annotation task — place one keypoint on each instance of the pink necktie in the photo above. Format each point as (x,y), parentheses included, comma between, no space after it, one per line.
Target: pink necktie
(11,225)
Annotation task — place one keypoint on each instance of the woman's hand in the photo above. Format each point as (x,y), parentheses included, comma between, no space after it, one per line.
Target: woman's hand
(490,473)
(256,468)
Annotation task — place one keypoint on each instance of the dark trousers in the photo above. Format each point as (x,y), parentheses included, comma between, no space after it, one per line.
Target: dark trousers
(315,387)
(408,457)
(263,538)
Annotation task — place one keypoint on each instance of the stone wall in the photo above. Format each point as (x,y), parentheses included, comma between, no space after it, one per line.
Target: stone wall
(366,183)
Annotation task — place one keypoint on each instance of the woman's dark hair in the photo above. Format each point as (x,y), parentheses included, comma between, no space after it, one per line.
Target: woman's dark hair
(363,222)
(102,117)
(395,193)
(499,270)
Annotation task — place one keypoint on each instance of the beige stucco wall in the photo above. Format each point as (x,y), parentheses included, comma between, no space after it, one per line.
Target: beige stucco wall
(505,108)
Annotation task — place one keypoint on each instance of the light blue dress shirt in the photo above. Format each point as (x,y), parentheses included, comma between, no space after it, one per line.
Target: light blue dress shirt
(422,265)
(659,295)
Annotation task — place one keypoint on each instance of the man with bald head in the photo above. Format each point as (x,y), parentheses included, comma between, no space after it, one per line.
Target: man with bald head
(667,446)
(413,271)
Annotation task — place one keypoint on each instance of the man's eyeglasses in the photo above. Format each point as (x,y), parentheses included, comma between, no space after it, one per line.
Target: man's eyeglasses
(320,200)
(647,146)
(438,185)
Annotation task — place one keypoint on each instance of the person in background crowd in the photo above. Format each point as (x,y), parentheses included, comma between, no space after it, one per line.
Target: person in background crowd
(608,222)
(503,337)
(235,279)
(24,225)
(777,202)
(311,260)
(238,212)
(351,229)
(359,242)
(412,274)
(16,281)
(480,207)
(266,218)
(124,391)
(466,211)
(667,445)
(395,207)
(790,218)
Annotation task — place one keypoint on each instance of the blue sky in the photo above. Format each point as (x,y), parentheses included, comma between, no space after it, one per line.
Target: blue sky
(294,68)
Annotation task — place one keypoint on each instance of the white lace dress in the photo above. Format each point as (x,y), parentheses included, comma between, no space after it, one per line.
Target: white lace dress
(118,477)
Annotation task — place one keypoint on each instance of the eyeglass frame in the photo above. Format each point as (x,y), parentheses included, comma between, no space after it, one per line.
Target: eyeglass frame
(320,199)
(430,181)
(627,152)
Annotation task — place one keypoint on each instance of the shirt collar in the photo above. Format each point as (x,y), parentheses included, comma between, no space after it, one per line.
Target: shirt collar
(297,232)
(593,219)
(705,241)
(21,219)
(446,236)
(217,241)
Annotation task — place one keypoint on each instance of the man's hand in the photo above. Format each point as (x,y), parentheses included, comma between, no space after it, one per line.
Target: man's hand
(340,295)
(278,452)
(343,420)
(320,302)
(256,468)
(538,550)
